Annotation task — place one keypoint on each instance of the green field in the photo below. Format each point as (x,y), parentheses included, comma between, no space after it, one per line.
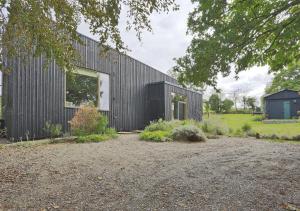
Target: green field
(236,121)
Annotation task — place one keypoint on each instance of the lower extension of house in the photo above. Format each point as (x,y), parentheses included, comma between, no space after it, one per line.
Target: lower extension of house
(128,92)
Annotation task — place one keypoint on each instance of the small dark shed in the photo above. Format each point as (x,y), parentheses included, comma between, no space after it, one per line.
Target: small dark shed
(282,105)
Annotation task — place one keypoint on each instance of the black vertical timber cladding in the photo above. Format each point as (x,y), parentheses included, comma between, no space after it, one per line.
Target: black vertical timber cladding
(160,92)
(35,95)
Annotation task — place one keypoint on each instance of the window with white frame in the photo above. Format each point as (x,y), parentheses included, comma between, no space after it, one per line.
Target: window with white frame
(85,87)
(104,92)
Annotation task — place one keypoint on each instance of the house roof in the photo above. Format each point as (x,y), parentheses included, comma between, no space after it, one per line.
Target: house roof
(291,90)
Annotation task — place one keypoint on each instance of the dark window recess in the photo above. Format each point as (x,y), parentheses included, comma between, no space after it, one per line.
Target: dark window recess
(179,103)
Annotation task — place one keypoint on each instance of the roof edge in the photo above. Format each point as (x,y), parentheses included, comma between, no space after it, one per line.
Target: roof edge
(176,85)
(268,95)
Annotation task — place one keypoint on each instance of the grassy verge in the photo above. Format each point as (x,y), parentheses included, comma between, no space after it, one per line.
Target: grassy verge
(235,122)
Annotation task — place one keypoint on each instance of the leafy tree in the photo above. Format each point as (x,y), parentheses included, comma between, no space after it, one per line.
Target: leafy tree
(238,35)
(227,105)
(207,108)
(215,103)
(48,27)
(251,103)
(289,78)
(244,100)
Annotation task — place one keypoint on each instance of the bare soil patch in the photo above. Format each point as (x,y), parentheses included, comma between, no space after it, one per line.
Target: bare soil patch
(128,174)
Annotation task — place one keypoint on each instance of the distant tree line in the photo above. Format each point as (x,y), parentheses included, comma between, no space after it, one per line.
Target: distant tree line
(217,105)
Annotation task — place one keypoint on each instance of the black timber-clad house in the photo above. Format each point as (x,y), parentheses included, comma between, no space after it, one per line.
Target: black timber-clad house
(128,92)
(282,105)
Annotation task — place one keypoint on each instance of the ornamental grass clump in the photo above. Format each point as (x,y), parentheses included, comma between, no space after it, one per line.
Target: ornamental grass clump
(214,128)
(188,133)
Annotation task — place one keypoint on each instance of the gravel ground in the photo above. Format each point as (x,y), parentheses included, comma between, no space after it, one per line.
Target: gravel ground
(128,174)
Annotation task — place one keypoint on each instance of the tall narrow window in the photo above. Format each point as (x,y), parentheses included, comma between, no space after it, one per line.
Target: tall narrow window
(1,87)
(104,92)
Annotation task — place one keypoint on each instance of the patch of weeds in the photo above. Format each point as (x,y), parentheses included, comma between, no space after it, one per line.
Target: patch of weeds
(157,136)
(93,138)
(27,144)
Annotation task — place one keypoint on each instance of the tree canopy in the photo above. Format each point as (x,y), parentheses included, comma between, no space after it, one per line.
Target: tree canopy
(289,78)
(227,105)
(236,35)
(49,27)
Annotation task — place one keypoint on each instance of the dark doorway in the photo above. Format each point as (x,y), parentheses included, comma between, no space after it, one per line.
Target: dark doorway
(179,106)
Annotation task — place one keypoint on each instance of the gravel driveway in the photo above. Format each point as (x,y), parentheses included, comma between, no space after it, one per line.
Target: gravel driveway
(128,174)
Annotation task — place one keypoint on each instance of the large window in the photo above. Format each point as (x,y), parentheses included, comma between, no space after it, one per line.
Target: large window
(87,87)
(1,86)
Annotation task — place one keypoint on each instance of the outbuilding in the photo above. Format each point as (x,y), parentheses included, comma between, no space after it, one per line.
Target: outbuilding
(129,92)
(284,104)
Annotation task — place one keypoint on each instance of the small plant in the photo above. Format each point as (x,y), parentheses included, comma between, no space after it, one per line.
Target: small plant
(53,130)
(246,128)
(157,136)
(188,133)
(111,132)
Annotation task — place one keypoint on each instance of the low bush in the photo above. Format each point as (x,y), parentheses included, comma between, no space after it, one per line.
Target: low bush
(246,128)
(93,138)
(188,133)
(159,125)
(88,120)
(238,133)
(258,118)
(157,136)
(214,128)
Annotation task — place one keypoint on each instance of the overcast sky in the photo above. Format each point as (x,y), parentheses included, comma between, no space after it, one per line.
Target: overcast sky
(169,40)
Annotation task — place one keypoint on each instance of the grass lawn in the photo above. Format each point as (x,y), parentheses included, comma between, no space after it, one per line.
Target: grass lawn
(236,121)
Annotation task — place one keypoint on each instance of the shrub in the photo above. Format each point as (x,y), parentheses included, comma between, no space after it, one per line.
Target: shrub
(157,136)
(92,138)
(111,132)
(159,125)
(188,133)
(246,128)
(53,130)
(296,138)
(238,133)
(214,128)
(258,118)
(87,120)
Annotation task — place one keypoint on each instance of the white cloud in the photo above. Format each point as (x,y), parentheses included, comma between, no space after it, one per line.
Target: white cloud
(169,40)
